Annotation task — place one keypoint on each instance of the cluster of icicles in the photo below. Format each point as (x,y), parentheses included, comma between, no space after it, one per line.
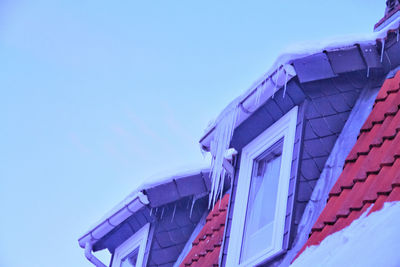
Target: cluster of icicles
(229,119)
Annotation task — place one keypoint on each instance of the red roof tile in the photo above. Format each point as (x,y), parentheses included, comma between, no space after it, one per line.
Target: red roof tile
(206,247)
(371,175)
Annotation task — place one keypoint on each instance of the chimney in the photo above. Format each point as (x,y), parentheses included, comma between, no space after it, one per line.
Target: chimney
(391,13)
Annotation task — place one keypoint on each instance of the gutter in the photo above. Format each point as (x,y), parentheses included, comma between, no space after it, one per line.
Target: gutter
(91,257)
(260,92)
(138,201)
(135,203)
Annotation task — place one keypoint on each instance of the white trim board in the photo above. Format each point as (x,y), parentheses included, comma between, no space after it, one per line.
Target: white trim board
(285,127)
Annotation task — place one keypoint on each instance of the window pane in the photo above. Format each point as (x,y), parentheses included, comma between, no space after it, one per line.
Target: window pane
(261,204)
(131,259)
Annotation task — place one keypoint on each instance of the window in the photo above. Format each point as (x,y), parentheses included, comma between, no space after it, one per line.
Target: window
(131,252)
(261,198)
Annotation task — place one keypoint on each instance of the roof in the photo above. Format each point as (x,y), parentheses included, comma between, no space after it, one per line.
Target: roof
(182,184)
(207,245)
(371,174)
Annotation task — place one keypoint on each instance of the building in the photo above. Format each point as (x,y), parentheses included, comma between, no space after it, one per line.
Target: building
(306,152)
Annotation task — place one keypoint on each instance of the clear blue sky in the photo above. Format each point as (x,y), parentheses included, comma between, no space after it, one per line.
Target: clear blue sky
(98,95)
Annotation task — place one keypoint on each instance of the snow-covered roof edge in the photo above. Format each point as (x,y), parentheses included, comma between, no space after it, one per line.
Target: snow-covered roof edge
(292,53)
(132,203)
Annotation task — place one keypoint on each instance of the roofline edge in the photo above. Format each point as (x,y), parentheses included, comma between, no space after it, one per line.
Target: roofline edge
(108,224)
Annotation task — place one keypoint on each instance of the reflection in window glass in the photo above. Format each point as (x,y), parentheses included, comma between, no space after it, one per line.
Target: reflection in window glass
(260,213)
(131,259)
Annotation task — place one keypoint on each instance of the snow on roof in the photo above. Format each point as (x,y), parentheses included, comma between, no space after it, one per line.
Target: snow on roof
(371,240)
(137,197)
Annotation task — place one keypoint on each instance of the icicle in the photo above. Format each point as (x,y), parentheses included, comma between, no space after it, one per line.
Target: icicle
(275,82)
(259,91)
(286,81)
(151,212)
(162,213)
(383,49)
(367,72)
(223,135)
(173,213)
(289,73)
(191,208)
(278,73)
(398,32)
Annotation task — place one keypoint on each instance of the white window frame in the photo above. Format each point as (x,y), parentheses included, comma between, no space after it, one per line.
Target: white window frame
(285,127)
(138,240)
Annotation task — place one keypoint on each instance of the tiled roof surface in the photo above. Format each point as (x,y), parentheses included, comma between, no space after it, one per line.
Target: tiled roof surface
(206,247)
(371,175)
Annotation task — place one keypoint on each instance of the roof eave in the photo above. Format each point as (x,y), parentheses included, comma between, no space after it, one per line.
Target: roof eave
(150,195)
(108,224)
(251,100)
